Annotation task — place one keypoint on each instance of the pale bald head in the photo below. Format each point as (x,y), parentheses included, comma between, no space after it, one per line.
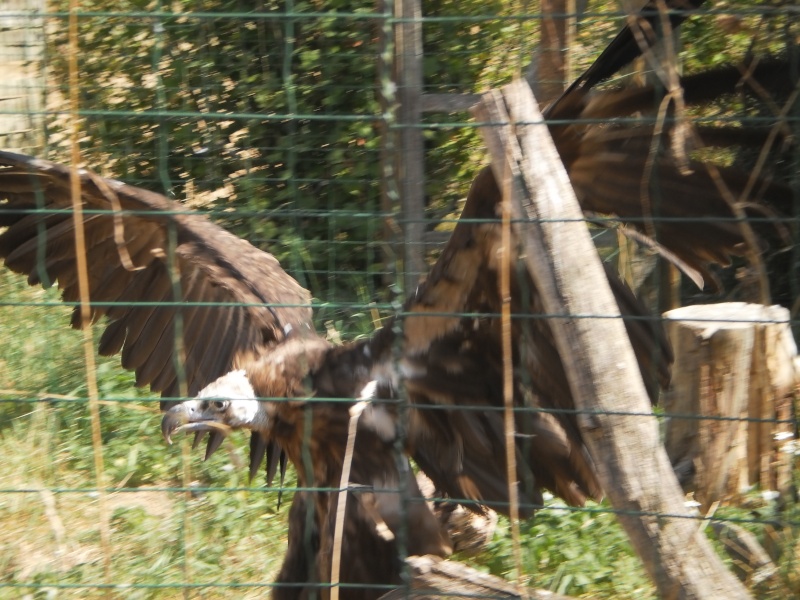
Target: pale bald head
(227,403)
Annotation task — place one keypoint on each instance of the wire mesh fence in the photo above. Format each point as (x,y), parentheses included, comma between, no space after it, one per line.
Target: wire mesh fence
(337,137)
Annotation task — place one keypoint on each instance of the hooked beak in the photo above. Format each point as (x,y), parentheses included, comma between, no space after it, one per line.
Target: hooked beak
(187,417)
(226,404)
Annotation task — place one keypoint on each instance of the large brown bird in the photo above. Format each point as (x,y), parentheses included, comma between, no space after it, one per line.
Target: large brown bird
(384,505)
(155,270)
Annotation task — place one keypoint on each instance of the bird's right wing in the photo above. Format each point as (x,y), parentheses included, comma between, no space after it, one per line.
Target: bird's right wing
(185,300)
(641,32)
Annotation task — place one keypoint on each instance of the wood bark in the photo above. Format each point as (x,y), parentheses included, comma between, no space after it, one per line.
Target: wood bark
(604,378)
(550,67)
(410,156)
(732,384)
(22,49)
(433,577)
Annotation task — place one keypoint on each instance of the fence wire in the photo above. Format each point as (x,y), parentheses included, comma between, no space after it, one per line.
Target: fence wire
(286,123)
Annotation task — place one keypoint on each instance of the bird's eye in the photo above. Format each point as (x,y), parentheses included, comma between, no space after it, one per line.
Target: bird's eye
(219,404)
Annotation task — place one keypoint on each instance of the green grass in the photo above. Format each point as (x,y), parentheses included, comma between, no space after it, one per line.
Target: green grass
(49,527)
(49,509)
(162,538)
(572,552)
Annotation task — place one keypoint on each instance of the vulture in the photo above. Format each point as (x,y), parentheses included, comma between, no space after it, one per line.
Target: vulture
(197,312)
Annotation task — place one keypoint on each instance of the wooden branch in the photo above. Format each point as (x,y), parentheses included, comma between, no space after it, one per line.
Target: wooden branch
(750,560)
(604,377)
(551,68)
(432,577)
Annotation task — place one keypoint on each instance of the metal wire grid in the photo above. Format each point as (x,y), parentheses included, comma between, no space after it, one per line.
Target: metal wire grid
(250,116)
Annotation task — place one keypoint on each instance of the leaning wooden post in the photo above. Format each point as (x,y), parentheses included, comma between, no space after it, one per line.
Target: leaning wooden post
(604,377)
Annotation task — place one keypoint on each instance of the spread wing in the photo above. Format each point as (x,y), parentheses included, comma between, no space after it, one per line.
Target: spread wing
(155,270)
(641,32)
(452,360)
(621,161)
(452,364)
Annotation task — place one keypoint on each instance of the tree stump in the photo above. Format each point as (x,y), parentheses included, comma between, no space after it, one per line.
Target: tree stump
(730,399)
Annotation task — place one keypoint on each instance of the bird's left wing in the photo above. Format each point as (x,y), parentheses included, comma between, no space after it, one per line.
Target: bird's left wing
(452,370)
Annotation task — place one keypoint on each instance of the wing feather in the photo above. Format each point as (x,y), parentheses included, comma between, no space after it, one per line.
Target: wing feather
(112,339)
(452,337)
(611,167)
(158,366)
(147,330)
(212,264)
(614,169)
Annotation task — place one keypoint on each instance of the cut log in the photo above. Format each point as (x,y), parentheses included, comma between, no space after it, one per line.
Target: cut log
(730,399)
(710,378)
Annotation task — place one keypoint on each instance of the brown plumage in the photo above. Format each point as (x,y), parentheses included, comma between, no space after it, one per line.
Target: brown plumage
(314,435)
(148,249)
(384,503)
(620,164)
(455,361)
(376,514)
(155,237)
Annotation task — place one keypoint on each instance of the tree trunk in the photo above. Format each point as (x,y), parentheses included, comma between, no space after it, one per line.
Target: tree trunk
(550,68)
(22,49)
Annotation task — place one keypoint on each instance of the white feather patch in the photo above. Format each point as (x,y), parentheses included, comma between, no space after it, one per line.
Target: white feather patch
(369,390)
(231,386)
(237,389)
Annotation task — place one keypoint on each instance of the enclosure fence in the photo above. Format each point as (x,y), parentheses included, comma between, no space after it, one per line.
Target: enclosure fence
(342,139)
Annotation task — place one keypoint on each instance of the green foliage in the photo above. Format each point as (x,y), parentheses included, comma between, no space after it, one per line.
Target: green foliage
(276,128)
(271,123)
(561,553)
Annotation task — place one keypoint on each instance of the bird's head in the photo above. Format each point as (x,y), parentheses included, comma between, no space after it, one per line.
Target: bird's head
(226,404)
(231,402)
